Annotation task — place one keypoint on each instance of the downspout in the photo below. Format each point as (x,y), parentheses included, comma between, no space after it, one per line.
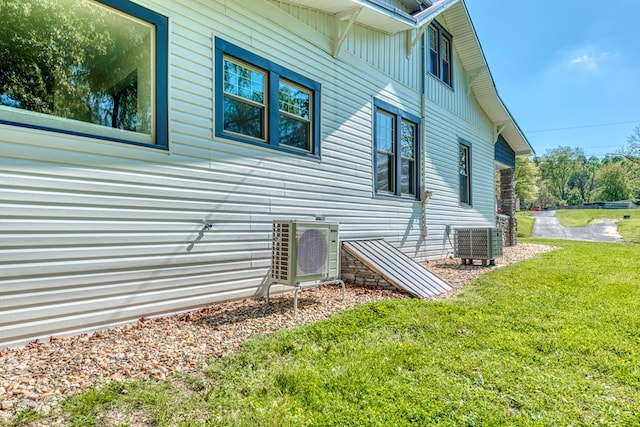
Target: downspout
(424,194)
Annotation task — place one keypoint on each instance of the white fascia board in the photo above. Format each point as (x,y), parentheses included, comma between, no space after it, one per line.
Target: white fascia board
(430,13)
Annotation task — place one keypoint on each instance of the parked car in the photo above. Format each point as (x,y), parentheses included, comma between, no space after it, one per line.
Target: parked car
(536,208)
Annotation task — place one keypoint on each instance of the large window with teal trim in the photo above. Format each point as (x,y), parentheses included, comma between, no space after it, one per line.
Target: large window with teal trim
(396,151)
(262,103)
(84,67)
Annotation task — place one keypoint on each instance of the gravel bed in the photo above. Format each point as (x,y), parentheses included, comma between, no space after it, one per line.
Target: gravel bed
(40,373)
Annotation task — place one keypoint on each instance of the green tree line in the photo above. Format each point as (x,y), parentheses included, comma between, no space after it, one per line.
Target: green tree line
(565,176)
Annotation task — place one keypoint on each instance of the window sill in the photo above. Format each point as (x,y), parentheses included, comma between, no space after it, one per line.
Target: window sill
(383,196)
(31,120)
(266,146)
(439,80)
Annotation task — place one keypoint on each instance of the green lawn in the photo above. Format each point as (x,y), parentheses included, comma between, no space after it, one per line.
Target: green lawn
(552,341)
(525,223)
(628,228)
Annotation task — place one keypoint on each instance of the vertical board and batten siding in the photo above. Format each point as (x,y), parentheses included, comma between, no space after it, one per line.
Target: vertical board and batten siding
(96,233)
(368,44)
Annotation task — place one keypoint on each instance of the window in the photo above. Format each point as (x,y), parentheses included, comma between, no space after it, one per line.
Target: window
(396,151)
(465,173)
(87,68)
(440,53)
(261,103)
(244,100)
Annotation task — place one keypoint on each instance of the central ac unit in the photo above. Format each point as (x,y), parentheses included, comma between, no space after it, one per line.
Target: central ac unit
(304,251)
(483,243)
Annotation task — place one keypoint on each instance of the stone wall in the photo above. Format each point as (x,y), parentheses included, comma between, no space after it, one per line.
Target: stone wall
(354,271)
(508,207)
(502,221)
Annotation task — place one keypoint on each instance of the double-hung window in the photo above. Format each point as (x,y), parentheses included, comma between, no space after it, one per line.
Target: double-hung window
(396,148)
(85,67)
(464,169)
(440,53)
(262,103)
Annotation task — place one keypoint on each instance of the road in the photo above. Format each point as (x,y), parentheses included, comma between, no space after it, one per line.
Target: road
(548,226)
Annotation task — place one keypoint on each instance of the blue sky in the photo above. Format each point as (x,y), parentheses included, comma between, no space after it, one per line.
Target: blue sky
(567,70)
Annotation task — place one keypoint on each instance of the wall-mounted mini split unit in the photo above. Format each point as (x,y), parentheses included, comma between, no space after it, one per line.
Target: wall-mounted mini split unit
(304,251)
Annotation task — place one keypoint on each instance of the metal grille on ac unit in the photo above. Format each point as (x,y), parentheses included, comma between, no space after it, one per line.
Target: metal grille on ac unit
(482,243)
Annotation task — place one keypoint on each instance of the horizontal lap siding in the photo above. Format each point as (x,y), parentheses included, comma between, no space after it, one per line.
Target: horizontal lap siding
(94,233)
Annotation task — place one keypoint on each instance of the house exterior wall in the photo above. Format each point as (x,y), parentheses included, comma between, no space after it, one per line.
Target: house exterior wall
(96,233)
(453,115)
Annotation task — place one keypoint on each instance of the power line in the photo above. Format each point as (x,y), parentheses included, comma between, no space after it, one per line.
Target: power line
(583,126)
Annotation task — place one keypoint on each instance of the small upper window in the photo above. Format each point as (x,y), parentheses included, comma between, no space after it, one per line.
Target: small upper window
(440,53)
(464,169)
(262,103)
(85,67)
(396,148)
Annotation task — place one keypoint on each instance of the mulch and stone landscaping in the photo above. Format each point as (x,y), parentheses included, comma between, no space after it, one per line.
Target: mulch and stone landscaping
(40,373)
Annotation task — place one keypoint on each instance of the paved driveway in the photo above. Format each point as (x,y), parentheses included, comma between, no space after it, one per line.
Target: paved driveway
(601,230)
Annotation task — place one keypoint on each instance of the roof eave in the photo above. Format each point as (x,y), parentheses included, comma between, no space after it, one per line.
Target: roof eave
(483,85)
(384,17)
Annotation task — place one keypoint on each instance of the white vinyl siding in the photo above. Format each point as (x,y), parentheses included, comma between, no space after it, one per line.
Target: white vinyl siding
(95,233)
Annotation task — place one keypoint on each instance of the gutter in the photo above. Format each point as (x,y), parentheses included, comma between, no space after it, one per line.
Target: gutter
(416,20)
(390,11)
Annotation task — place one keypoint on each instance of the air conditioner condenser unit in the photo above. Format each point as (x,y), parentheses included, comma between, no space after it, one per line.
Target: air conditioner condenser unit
(482,243)
(304,251)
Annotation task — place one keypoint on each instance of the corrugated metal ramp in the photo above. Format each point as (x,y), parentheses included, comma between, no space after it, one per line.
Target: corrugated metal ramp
(397,268)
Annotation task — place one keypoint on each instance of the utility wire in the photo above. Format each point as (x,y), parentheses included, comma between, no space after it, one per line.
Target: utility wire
(583,126)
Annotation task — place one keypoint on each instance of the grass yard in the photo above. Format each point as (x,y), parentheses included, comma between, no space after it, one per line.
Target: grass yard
(525,223)
(628,228)
(552,341)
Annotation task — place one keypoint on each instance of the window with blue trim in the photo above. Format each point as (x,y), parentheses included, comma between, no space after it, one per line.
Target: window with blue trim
(440,53)
(262,103)
(85,67)
(464,170)
(396,150)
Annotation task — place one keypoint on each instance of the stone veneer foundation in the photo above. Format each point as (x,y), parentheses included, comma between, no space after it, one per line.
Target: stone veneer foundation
(354,271)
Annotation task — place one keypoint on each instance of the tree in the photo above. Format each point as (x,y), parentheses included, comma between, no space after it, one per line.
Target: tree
(526,176)
(583,179)
(633,145)
(557,167)
(613,181)
(545,196)
(631,153)
(574,198)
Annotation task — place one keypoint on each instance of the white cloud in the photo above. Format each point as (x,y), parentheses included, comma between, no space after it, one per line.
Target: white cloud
(588,59)
(582,59)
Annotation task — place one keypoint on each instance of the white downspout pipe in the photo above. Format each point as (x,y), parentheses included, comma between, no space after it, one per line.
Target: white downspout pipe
(424,195)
